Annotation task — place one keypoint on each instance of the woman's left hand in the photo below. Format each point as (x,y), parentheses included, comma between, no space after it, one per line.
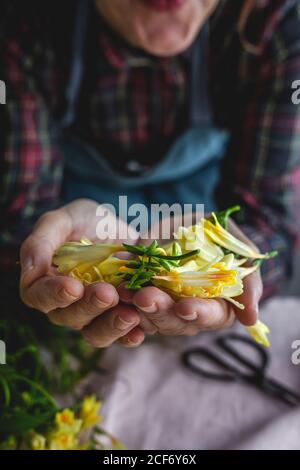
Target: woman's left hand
(160,313)
(189,316)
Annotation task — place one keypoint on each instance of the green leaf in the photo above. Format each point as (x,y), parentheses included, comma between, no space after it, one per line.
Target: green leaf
(135,249)
(189,254)
(17,422)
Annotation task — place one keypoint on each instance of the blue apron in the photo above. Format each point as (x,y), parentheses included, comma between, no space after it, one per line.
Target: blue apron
(187,174)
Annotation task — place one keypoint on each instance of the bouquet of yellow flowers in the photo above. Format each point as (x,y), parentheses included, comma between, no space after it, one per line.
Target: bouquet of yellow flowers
(204,260)
(31,417)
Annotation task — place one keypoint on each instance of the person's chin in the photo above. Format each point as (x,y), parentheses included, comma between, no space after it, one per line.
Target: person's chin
(167,43)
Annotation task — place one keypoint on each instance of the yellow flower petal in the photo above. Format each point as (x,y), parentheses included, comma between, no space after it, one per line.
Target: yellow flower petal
(71,255)
(36,441)
(194,238)
(61,440)
(225,239)
(204,284)
(65,420)
(259,333)
(89,412)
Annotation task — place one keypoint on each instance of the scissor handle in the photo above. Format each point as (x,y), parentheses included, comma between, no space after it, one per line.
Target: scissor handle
(187,356)
(257,368)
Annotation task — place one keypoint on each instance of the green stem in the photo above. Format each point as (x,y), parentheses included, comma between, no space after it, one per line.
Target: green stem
(6,391)
(178,257)
(38,387)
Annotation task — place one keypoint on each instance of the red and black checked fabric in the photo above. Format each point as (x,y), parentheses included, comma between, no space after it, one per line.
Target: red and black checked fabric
(134,105)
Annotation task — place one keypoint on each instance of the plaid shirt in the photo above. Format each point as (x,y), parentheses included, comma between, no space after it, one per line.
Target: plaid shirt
(130,101)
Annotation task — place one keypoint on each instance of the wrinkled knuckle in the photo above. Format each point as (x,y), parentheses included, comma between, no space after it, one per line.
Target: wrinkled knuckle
(204,321)
(230,319)
(171,331)
(76,323)
(92,339)
(181,330)
(151,330)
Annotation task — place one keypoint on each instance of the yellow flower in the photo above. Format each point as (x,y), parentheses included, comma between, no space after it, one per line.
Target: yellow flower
(36,441)
(111,270)
(222,237)
(65,420)
(62,440)
(89,413)
(208,273)
(195,238)
(217,281)
(259,333)
(81,259)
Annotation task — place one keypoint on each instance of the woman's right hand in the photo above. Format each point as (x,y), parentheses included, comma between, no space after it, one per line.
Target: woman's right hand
(95,309)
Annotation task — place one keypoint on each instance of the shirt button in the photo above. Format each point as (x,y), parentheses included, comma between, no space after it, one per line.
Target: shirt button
(134,167)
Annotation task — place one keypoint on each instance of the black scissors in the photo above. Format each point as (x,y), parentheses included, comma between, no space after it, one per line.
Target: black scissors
(245,370)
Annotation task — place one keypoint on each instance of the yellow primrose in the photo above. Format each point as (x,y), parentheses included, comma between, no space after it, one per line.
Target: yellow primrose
(259,333)
(36,441)
(89,412)
(62,440)
(66,420)
(222,237)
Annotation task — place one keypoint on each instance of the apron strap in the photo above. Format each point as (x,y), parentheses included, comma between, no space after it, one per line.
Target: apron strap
(200,105)
(77,61)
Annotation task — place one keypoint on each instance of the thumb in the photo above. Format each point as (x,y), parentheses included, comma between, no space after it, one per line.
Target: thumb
(51,230)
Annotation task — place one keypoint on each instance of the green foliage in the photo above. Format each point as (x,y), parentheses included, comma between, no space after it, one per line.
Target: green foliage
(149,261)
(27,382)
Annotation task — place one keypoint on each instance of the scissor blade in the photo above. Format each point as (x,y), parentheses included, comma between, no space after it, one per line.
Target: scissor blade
(281,392)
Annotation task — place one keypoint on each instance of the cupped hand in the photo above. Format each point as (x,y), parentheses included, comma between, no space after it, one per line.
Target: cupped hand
(63,299)
(95,310)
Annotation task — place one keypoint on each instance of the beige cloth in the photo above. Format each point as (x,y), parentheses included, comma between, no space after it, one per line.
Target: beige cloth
(153,402)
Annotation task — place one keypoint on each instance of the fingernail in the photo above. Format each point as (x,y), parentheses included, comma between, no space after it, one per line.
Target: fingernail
(130,342)
(190,317)
(122,324)
(151,309)
(102,304)
(65,294)
(92,297)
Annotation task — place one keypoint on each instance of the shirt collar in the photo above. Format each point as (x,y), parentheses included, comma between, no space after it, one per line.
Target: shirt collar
(121,55)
